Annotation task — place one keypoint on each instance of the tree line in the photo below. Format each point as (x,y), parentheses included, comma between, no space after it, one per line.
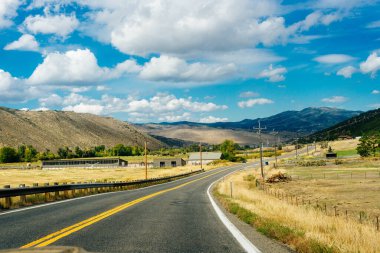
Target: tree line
(27,153)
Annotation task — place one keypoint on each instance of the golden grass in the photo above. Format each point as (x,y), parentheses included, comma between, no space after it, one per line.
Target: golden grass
(14,177)
(344,144)
(344,235)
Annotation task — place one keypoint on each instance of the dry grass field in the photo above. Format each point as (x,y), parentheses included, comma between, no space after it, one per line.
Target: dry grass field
(303,228)
(15,177)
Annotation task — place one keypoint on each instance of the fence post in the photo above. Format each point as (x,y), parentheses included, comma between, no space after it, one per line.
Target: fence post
(377,223)
(56,194)
(335,211)
(47,194)
(22,197)
(36,195)
(8,200)
(325,209)
(231,188)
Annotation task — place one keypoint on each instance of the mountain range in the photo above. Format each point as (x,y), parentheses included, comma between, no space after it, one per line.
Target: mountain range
(288,124)
(364,123)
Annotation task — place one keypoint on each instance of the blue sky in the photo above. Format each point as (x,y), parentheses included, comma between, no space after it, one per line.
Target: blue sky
(203,61)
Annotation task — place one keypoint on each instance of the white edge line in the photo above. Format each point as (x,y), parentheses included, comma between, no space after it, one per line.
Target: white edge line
(101,194)
(244,242)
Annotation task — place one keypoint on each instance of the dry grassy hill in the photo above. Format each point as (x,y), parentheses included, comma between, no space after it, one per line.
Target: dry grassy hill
(206,134)
(53,129)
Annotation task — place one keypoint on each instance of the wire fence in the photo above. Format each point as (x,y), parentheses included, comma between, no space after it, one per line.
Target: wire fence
(327,208)
(337,175)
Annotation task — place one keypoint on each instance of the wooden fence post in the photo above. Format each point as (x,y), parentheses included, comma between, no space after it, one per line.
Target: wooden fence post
(47,194)
(56,194)
(8,200)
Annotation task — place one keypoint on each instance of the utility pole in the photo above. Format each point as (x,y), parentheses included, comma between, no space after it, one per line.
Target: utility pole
(297,147)
(146,164)
(261,147)
(200,155)
(275,147)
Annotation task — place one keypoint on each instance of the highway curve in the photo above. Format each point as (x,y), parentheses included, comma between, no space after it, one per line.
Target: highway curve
(172,217)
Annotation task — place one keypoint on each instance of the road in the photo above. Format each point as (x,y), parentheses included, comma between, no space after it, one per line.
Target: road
(172,217)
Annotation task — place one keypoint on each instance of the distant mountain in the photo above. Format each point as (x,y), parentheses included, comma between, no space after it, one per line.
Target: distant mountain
(308,120)
(54,129)
(287,123)
(356,126)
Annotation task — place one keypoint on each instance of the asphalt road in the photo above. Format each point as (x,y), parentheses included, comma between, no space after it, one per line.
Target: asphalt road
(172,217)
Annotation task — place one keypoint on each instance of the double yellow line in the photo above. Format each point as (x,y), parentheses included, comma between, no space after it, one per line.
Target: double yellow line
(51,238)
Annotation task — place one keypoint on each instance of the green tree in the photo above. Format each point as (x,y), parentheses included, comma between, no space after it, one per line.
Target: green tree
(78,151)
(8,155)
(228,148)
(30,154)
(368,145)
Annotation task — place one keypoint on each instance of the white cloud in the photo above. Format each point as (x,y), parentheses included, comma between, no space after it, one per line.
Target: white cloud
(26,42)
(60,25)
(180,28)
(248,94)
(334,58)
(212,119)
(160,107)
(346,72)
(371,65)
(101,88)
(253,102)
(374,24)
(8,10)
(375,92)
(335,99)
(172,117)
(273,74)
(173,69)
(85,108)
(77,67)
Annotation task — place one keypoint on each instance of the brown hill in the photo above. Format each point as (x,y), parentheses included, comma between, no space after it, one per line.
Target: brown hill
(54,129)
(209,135)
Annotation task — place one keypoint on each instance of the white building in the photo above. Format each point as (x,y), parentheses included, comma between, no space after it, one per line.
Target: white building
(207,157)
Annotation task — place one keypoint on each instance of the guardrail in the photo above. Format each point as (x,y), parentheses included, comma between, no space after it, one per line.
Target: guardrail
(70,189)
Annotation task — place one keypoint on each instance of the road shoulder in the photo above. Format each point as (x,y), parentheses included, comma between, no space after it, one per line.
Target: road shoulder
(263,243)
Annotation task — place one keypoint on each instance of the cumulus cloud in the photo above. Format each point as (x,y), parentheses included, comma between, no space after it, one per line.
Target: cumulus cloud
(273,74)
(248,94)
(160,107)
(346,72)
(371,65)
(60,25)
(26,42)
(13,89)
(375,92)
(334,58)
(85,108)
(335,99)
(253,102)
(173,69)
(212,119)
(173,28)
(8,10)
(77,67)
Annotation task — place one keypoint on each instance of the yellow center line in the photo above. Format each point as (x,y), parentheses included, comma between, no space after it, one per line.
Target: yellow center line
(53,237)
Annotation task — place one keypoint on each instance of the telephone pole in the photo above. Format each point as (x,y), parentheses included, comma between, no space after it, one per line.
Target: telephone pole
(200,155)
(261,147)
(275,147)
(146,164)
